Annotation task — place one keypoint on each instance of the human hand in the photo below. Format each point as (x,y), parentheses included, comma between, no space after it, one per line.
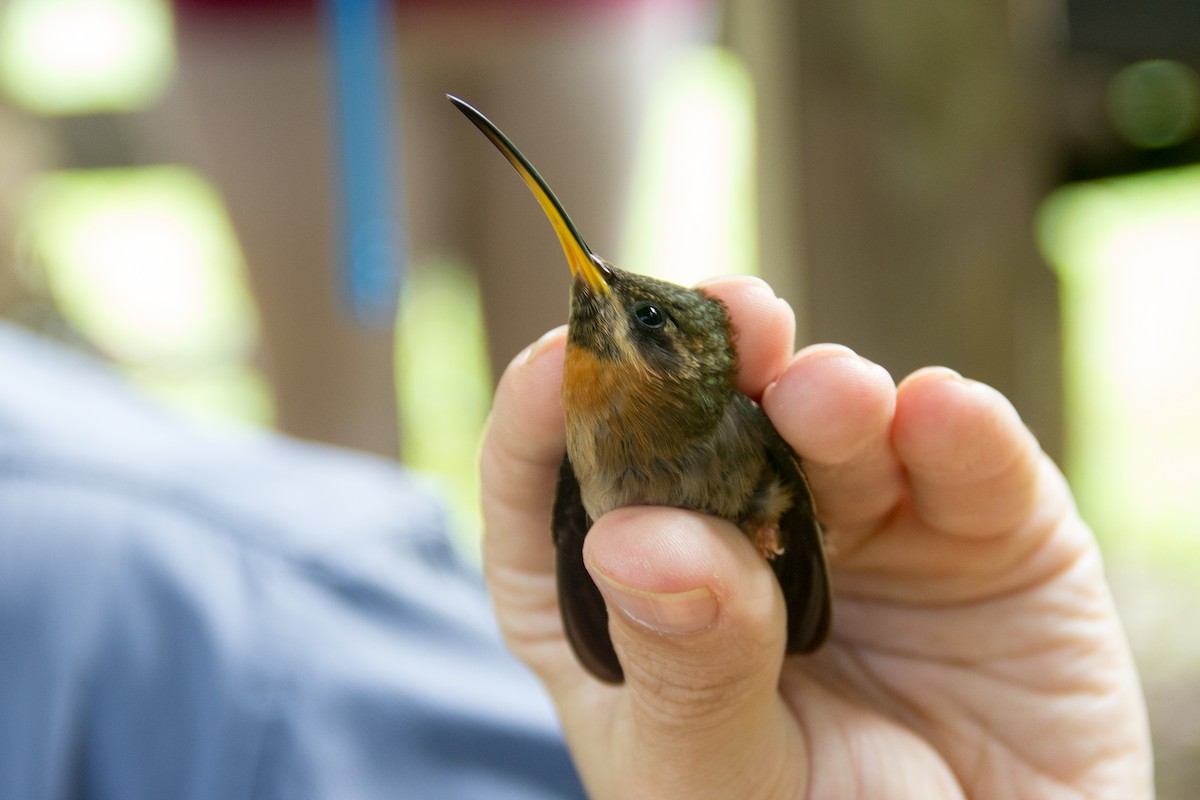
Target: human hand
(975,649)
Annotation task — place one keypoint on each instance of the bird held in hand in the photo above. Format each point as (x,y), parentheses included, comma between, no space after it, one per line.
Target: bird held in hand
(654,417)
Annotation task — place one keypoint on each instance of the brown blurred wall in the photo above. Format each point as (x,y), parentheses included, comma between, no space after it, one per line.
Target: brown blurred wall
(904,149)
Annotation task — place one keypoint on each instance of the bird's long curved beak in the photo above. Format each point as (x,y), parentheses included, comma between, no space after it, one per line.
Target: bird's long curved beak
(584,265)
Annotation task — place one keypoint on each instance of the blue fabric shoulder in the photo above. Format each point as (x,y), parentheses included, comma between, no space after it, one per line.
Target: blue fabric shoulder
(187,613)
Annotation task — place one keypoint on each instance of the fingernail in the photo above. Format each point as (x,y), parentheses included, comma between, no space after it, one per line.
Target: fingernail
(823,349)
(813,351)
(927,371)
(676,613)
(534,350)
(748,280)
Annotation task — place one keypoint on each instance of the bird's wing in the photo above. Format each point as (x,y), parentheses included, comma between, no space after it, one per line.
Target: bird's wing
(801,569)
(584,616)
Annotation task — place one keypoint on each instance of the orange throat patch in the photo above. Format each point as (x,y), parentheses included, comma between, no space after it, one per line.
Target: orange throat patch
(592,385)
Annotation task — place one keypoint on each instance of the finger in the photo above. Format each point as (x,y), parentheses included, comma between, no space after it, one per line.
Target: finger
(972,465)
(697,618)
(835,408)
(522,449)
(765,328)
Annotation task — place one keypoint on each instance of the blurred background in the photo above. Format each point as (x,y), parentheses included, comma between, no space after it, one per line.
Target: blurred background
(265,213)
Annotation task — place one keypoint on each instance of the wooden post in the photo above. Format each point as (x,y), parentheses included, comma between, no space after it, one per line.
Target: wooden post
(904,148)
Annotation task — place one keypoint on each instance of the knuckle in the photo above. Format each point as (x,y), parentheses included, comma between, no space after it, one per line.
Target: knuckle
(684,691)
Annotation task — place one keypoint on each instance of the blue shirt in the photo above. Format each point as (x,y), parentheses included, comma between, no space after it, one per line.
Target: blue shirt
(193,614)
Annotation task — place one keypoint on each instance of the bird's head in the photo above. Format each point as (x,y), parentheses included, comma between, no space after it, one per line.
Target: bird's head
(652,341)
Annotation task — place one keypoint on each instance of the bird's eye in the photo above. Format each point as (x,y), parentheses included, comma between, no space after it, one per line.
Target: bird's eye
(649,315)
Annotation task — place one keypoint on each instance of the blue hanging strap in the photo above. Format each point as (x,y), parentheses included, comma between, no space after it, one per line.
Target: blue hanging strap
(361,40)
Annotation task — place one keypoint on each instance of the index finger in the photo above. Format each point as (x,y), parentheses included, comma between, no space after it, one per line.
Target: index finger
(764,326)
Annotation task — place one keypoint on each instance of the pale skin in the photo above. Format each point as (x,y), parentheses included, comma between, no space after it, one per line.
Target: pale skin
(975,649)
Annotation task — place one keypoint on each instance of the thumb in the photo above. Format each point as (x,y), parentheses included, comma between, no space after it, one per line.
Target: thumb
(697,619)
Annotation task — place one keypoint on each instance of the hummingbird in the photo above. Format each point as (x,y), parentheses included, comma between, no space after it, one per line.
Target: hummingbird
(653,417)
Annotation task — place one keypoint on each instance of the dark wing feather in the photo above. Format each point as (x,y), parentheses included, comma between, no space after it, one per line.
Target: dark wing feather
(584,616)
(800,568)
